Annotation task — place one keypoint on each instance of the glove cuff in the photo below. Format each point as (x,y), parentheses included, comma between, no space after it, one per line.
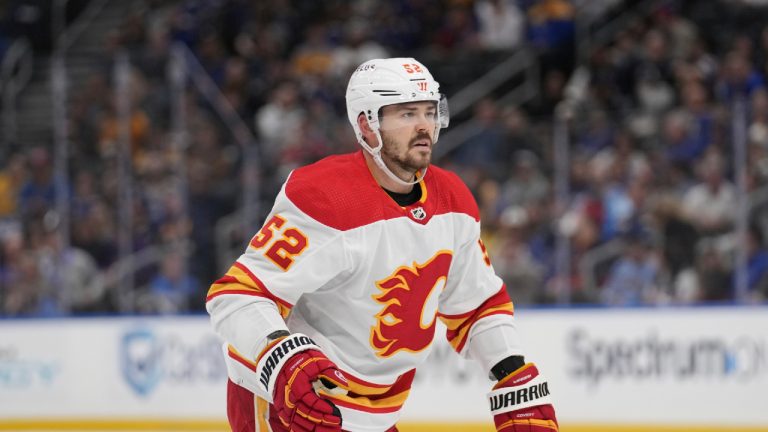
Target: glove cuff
(511,396)
(276,355)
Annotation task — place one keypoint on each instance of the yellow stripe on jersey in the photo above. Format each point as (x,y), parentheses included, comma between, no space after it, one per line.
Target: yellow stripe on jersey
(459,325)
(423,186)
(361,403)
(262,411)
(245,361)
(375,398)
(240,280)
(360,388)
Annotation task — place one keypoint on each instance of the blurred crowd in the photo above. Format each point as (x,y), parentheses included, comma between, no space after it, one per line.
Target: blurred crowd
(653,194)
(655,198)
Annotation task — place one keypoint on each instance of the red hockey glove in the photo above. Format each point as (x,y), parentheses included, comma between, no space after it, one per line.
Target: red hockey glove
(290,369)
(521,403)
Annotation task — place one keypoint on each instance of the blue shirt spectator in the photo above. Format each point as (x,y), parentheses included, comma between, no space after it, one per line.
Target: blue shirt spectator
(632,279)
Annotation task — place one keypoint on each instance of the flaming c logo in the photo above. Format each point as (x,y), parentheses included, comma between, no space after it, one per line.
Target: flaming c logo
(400,324)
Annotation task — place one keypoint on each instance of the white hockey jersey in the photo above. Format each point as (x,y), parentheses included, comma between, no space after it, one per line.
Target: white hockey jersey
(366,279)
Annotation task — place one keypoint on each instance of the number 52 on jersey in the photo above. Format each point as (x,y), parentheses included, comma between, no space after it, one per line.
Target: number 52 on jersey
(281,243)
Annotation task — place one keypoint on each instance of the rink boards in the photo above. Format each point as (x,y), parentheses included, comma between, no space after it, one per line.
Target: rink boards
(669,369)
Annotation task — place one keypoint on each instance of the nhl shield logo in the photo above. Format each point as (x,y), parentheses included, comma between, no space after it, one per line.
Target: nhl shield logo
(418,213)
(140,359)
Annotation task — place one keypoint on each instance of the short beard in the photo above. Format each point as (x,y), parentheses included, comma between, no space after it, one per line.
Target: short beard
(407,162)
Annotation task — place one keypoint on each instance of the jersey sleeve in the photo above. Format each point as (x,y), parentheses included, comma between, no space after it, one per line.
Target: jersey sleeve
(291,255)
(475,305)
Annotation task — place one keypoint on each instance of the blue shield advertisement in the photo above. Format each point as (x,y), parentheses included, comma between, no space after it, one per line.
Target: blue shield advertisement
(140,360)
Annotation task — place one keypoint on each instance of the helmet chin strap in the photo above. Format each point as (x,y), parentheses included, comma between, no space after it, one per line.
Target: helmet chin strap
(376,153)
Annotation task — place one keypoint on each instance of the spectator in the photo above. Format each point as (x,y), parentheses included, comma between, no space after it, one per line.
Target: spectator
(710,203)
(653,76)
(681,146)
(153,58)
(12,176)
(513,259)
(212,56)
(757,161)
(551,30)
(357,48)
(501,24)
(622,206)
(758,123)
(543,105)
(695,105)
(714,273)
(70,277)
(680,235)
(518,136)
(598,134)
(757,264)
(38,193)
(634,278)
(95,232)
(550,23)
(457,31)
(139,129)
(314,56)
(173,290)
(680,32)
(282,113)
(705,65)
(18,276)
(679,247)
(485,139)
(738,78)
(526,184)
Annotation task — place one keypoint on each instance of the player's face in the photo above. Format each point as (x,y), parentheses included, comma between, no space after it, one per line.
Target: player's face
(407,132)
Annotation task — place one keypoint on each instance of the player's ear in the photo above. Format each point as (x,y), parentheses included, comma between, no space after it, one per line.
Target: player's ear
(362,123)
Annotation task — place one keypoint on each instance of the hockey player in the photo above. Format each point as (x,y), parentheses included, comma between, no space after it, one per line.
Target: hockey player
(333,305)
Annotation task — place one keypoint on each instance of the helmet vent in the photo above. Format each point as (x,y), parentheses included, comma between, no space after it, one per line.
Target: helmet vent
(387,92)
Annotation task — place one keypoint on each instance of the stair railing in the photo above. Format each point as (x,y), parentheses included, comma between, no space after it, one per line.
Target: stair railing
(15,72)
(521,62)
(70,33)
(249,212)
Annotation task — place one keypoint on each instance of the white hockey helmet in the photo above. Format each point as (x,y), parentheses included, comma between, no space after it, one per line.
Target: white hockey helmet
(380,82)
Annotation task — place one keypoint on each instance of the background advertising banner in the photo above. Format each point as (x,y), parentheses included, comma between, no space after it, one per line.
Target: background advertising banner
(664,366)
(673,366)
(111,367)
